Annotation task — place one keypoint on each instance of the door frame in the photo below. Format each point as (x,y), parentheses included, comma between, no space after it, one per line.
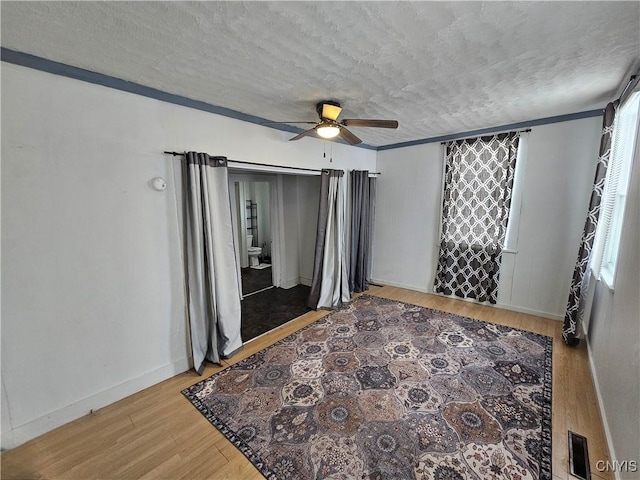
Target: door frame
(274,220)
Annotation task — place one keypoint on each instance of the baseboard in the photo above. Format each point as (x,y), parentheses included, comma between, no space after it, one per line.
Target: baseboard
(401,285)
(305,281)
(7,440)
(23,433)
(513,308)
(603,415)
(529,311)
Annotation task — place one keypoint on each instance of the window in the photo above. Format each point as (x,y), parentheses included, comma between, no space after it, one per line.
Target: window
(478,183)
(511,237)
(616,186)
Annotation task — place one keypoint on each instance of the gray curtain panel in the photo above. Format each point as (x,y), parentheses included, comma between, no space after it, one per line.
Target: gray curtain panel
(479,175)
(580,280)
(321,233)
(362,200)
(330,283)
(372,222)
(213,290)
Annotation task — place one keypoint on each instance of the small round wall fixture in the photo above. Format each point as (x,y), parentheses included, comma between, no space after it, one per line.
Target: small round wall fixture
(158,184)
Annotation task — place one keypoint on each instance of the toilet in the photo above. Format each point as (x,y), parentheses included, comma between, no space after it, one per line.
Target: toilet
(254,252)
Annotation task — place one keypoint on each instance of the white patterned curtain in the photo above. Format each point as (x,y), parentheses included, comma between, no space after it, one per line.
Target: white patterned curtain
(479,175)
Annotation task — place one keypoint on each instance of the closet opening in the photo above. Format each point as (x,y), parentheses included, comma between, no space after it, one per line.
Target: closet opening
(274,218)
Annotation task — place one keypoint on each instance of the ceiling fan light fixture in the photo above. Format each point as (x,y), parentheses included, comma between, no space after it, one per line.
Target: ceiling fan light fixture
(328,127)
(328,131)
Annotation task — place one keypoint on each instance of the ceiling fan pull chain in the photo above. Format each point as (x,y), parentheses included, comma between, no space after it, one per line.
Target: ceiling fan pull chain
(331,154)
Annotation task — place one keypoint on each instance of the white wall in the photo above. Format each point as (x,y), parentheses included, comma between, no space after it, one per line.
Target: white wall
(614,338)
(407,216)
(308,205)
(301,196)
(290,246)
(93,306)
(260,194)
(559,172)
(92,289)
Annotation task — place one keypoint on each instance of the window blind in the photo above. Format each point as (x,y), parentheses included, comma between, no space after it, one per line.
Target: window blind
(616,184)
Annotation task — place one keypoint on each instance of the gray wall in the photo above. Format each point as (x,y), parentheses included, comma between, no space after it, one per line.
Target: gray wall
(614,338)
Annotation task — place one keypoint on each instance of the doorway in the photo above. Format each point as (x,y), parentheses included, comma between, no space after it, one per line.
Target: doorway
(277,214)
(255,224)
(253,227)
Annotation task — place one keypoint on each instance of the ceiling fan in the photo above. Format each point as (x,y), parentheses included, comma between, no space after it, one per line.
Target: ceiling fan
(329,127)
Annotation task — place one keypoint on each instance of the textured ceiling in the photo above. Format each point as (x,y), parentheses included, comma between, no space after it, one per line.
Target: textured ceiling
(436,67)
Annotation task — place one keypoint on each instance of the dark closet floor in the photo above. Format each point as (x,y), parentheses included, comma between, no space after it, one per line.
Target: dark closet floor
(267,310)
(255,279)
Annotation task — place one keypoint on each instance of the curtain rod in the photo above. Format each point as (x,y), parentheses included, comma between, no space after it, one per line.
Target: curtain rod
(629,88)
(465,138)
(179,154)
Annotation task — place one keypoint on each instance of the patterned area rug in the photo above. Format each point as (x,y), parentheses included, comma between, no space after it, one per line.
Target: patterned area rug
(388,390)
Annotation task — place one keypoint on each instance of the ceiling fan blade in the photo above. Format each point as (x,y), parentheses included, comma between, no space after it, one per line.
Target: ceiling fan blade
(282,123)
(330,111)
(303,134)
(349,137)
(358,122)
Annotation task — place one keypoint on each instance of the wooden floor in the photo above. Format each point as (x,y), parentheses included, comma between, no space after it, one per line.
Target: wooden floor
(158,434)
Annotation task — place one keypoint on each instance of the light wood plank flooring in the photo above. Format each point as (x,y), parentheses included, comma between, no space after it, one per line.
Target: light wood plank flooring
(158,434)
